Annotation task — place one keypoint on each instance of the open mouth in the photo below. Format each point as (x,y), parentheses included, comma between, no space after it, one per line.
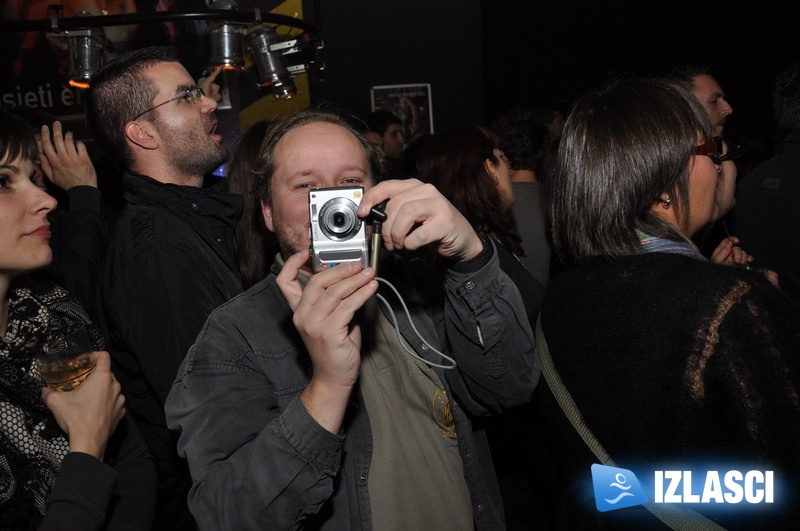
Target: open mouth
(213,132)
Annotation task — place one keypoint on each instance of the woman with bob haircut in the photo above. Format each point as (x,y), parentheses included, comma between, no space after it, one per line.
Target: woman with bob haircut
(674,362)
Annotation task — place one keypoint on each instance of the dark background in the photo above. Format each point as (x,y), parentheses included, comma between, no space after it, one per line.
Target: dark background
(483,57)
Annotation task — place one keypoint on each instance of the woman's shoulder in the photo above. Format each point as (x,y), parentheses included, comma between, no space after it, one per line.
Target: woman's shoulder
(39,300)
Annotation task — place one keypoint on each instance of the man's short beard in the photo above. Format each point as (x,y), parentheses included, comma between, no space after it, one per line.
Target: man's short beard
(199,163)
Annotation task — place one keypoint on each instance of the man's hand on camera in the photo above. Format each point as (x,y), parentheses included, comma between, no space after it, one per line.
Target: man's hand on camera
(418,214)
(324,314)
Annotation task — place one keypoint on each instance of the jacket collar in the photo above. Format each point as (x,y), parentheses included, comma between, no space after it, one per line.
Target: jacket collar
(185,201)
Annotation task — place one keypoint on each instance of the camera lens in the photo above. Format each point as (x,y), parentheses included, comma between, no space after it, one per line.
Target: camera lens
(338,219)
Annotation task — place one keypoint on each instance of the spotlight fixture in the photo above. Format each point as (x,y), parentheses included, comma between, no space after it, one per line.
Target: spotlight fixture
(86,48)
(226,39)
(238,38)
(272,71)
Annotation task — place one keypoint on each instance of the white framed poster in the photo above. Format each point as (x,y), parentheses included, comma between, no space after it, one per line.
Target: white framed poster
(412,103)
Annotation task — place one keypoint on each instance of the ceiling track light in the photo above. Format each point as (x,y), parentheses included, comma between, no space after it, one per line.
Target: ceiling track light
(226,39)
(235,35)
(261,41)
(86,47)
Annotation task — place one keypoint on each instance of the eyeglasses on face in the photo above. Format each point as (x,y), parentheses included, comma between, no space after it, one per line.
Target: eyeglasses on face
(193,94)
(714,150)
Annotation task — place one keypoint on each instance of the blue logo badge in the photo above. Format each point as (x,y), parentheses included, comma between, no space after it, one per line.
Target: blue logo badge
(616,488)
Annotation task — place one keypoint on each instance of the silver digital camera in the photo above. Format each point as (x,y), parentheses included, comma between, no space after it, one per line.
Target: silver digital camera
(337,233)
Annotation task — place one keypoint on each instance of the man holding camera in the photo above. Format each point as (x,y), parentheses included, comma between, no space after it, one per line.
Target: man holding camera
(300,406)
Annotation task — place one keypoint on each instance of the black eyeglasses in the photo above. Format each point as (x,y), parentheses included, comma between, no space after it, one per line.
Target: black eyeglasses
(714,150)
(193,94)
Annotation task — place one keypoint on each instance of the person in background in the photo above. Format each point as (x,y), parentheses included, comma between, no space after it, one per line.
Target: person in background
(69,460)
(549,117)
(390,129)
(255,246)
(377,142)
(699,79)
(526,144)
(715,240)
(672,360)
(466,165)
(170,259)
(766,215)
(305,404)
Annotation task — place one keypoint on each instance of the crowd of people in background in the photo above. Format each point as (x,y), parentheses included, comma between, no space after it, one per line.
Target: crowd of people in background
(610,252)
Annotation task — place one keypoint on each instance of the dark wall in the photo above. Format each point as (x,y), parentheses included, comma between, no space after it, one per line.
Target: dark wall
(553,51)
(398,42)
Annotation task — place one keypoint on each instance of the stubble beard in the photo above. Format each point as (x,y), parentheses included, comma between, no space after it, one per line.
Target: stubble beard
(194,154)
(289,242)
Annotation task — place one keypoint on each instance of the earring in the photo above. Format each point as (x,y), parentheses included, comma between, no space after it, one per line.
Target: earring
(665,203)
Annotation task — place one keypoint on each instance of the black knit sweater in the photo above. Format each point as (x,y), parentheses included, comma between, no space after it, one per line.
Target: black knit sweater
(675,364)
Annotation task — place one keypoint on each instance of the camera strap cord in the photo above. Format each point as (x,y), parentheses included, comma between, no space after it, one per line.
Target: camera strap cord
(378,216)
(451,363)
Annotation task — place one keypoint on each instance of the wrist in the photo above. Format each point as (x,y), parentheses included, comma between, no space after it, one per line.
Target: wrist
(478,260)
(326,403)
(87,445)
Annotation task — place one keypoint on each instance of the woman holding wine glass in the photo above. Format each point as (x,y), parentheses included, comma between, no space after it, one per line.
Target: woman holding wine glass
(68,460)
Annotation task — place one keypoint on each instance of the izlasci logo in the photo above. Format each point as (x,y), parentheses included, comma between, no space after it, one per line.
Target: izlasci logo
(616,488)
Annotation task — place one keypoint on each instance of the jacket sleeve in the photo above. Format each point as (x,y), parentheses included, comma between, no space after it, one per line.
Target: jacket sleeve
(80,496)
(158,303)
(254,463)
(115,494)
(489,335)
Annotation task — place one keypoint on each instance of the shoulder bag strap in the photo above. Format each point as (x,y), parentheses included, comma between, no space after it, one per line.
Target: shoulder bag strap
(674,516)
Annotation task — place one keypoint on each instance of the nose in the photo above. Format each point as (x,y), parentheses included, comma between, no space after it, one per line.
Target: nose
(726,108)
(43,202)
(207,104)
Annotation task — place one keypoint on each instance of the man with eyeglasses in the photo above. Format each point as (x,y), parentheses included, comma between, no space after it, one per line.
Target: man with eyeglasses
(170,259)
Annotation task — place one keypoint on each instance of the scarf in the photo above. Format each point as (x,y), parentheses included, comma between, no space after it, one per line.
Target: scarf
(32,445)
(657,244)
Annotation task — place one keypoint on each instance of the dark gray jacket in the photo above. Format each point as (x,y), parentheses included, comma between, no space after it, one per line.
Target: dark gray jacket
(260,461)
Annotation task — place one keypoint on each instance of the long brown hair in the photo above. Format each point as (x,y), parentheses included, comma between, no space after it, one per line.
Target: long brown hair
(454,162)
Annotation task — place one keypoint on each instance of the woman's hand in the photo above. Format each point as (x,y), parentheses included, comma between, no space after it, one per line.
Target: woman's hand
(729,253)
(90,413)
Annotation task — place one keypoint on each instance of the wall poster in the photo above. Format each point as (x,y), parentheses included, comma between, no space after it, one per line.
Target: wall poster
(412,103)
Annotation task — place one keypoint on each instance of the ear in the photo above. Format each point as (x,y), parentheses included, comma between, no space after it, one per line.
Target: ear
(141,134)
(266,211)
(490,167)
(491,170)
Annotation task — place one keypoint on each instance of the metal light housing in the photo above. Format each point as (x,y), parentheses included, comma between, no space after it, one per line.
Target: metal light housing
(86,53)
(272,71)
(226,39)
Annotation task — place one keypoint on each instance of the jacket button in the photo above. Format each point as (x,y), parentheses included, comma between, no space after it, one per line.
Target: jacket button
(362,478)
(469,286)
(195,206)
